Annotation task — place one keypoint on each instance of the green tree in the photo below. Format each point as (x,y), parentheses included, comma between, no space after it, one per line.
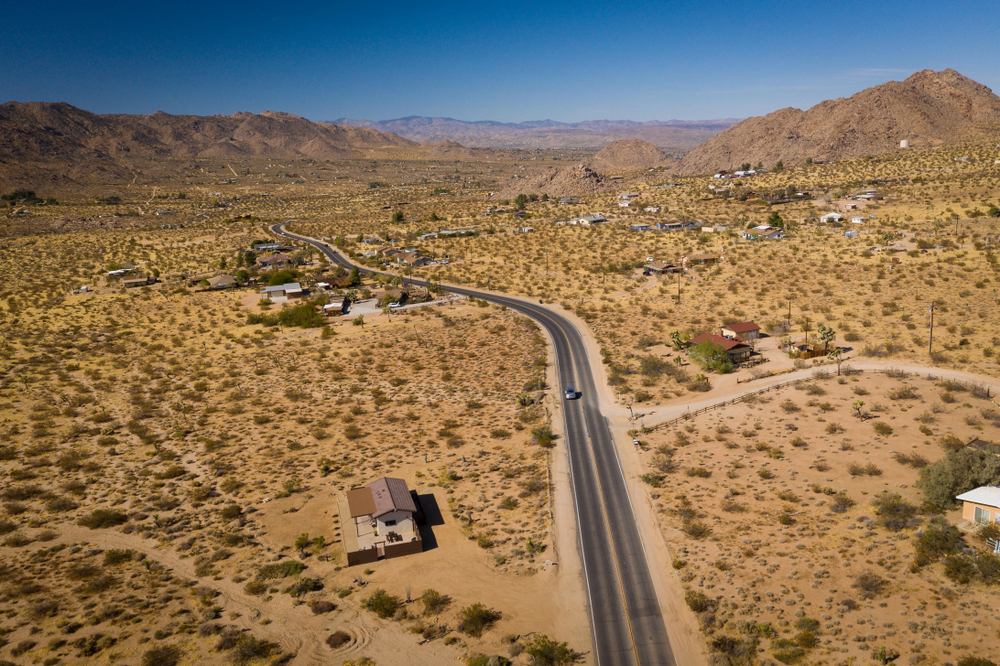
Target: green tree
(546,652)
(711,356)
(397,217)
(302,542)
(520,201)
(775,220)
(779,166)
(355,276)
(837,356)
(745,166)
(359,321)
(958,472)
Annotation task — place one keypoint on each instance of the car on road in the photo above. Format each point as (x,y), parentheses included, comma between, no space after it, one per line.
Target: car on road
(570,393)
(393,306)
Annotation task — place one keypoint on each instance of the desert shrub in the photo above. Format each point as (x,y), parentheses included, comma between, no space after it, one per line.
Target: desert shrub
(975,661)
(699,472)
(382,604)
(894,513)
(249,648)
(103,518)
(841,503)
(116,556)
(434,602)
(903,393)
(958,472)
(696,529)
(255,587)
(281,569)
(882,428)
(304,586)
(338,639)
(789,406)
(162,655)
(477,618)
(951,443)
(320,607)
(870,585)
(231,512)
(546,652)
(914,460)
(938,540)
(543,435)
(735,651)
(698,601)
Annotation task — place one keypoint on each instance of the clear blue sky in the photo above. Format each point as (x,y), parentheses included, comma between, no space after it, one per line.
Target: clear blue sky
(507,61)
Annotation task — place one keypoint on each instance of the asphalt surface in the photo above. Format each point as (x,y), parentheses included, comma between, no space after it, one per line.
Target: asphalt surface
(626,620)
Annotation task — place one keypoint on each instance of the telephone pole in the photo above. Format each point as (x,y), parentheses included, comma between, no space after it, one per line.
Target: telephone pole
(930,338)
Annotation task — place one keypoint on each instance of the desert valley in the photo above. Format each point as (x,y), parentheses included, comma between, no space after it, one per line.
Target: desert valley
(281,391)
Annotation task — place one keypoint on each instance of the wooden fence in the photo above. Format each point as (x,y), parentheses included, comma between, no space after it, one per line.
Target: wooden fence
(847,370)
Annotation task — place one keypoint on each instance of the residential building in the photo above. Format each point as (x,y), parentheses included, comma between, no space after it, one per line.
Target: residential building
(222,282)
(139,281)
(981,505)
(380,520)
(831,217)
(736,351)
(747,331)
(640,227)
(661,267)
(275,260)
(280,293)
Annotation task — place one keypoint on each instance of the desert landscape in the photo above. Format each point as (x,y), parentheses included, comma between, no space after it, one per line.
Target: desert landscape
(791,323)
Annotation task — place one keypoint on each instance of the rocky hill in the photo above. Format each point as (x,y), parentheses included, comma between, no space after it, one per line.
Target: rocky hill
(625,155)
(929,108)
(44,132)
(670,134)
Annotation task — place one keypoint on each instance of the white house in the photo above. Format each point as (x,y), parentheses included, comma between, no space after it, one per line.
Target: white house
(831,217)
(857,219)
(651,209)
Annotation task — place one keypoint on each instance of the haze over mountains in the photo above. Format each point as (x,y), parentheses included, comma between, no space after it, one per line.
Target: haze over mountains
(929,108)
(670,134)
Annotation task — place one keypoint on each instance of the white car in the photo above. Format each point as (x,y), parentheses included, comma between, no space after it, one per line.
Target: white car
(393,306)
(570,393)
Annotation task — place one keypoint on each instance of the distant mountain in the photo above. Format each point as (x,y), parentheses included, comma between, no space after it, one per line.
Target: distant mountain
(42,131)
(671,134)
(929,108)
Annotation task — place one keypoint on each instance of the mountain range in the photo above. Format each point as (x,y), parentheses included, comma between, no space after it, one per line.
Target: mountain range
(671,134)
(929,109)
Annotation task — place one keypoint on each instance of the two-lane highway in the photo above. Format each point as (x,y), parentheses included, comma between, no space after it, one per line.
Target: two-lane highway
(626,620)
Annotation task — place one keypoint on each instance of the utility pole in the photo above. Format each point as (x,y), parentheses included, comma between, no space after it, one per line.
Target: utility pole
(679,285)
(789,320)
(930,338)
(546,263)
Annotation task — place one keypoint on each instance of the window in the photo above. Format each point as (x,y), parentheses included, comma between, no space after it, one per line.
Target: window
(982,515)
(389,523)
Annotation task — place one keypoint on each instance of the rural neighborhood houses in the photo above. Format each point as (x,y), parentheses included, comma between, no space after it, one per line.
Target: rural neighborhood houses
(736,351)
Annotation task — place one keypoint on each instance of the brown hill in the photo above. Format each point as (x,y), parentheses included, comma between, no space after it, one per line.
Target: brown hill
(929,108)
(627,155)
(568,181)
(44,132)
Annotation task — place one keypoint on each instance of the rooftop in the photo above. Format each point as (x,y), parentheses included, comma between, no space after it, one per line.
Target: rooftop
(988,495)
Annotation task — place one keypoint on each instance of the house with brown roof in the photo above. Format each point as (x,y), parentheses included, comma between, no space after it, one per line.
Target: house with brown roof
(275,260)
(140,281)
(699,258)
(380,521)
(413,258)
(747,331)
(661,267)
(221,282)
(736,351)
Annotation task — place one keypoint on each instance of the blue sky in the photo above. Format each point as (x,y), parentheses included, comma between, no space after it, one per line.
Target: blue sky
(507,61)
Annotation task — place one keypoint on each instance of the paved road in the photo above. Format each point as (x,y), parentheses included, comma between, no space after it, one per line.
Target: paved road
(628,627)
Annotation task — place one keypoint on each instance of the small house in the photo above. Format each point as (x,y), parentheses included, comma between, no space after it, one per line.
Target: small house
(661,267)
(590,220)
(981,505)
(651,209)
(222,282)
(280,293)
(857,219)
(746,331)
(568,201)
(335,307)
(736,351)
(699,258)
(640,227)
(831,217)
(140,281)
(380,522)
(275,260)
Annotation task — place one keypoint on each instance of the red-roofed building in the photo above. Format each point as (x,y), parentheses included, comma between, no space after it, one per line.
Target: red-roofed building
(736,351)
(746,331)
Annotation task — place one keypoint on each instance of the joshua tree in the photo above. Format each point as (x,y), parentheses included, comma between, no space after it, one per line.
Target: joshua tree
(826,336)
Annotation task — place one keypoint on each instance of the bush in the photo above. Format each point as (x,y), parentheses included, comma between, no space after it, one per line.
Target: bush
(382,604)
(958,472)
(546,652)
(434,602)
(117,556)
(870,585)
(477,618)
(281,569)
(249,648)
(975,661)
(337,639)
(939,539)
(103,518)
(882,428)
(841,503)
(320,607)
(304,586)
(696,529)
(163,655)
(894,513)
(698,601)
